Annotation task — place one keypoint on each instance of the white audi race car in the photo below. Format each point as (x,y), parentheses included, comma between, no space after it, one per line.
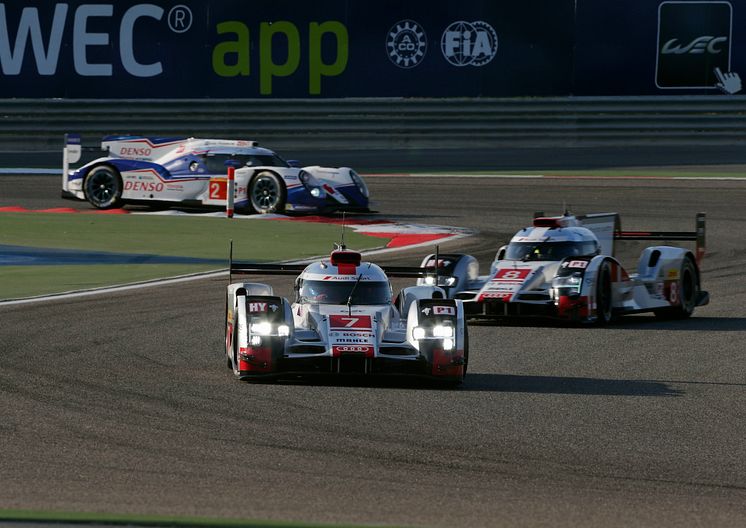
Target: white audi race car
(342,321)
(564,267)
(193,172)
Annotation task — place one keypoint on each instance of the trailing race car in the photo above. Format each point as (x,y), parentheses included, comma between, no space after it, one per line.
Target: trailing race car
(564,267)
(192,172)
(343,320)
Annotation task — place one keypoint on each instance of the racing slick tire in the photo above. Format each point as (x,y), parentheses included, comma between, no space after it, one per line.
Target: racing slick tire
(687,292)
(267,193)
(604,304)
(103,187)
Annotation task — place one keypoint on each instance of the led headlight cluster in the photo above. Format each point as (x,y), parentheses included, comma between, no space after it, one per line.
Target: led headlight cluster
(266,329)
(442,281)
(567,285)
(444,332)
(311,184)
(359,182)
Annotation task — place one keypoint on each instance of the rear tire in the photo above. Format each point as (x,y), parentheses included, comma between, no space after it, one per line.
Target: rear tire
(604,302)
(103,187)
(688,291)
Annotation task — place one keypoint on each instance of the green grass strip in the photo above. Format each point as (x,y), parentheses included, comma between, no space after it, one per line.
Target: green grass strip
(207,237)
(28,281)
(74,518)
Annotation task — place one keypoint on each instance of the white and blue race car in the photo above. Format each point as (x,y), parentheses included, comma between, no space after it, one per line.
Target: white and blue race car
(193,172)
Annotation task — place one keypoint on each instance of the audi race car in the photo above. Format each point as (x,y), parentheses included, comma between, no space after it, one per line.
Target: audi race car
(343,321)
(193,172)
(564,267)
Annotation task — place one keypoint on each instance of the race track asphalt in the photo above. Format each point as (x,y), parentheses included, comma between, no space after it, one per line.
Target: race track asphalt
(122,403)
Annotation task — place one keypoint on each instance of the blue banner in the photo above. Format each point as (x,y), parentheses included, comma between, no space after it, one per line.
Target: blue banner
(369,48)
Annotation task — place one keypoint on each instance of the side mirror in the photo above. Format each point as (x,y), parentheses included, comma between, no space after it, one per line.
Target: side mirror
(501,253)
(294,164)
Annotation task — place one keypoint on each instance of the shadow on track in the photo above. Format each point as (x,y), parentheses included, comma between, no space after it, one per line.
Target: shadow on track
(566,385)
(476,382)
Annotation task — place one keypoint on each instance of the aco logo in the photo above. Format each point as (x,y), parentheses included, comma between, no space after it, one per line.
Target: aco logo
(406,44)
(469,43)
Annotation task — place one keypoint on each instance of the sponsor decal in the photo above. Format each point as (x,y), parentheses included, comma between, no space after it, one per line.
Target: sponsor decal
(143,186)
(257,307)
(694,46)
(469,43)
(142,152)
(444,310)
(581,264)
(406,44)
(354,322)
(354,349)
(672,274)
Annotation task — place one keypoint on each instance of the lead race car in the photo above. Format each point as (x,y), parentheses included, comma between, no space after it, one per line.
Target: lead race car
(342,321)
(564,267)
(192,172)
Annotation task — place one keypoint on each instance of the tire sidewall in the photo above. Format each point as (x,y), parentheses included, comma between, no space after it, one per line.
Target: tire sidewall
(604,314)
(280,205)
(117,200)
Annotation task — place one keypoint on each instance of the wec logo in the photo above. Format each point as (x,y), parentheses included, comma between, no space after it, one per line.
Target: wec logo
(85,16)
(696,46)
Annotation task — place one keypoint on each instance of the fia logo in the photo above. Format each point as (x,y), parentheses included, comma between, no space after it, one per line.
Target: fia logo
(469,43)
(406,44)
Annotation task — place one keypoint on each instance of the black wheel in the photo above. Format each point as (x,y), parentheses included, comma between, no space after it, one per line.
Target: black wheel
(687,290)
(604,304)
(267,193)
(103,187)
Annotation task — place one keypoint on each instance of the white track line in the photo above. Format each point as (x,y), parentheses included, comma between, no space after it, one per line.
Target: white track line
(557,177)
(203,275)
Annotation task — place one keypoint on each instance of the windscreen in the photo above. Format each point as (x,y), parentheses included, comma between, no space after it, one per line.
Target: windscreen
(215,163)
(548,250)
(337,292)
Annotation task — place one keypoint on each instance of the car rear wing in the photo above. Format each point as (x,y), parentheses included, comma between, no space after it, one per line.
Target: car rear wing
(259,268)
(697,236)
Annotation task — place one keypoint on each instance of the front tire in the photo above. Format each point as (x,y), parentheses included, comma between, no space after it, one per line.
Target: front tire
(103,187)
(604,302)
(267,193)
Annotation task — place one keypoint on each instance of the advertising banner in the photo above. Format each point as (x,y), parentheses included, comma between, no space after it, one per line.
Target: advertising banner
(285,48)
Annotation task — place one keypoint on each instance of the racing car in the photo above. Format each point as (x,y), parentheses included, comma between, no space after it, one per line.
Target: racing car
(192,172)
(564,267)
(342,321)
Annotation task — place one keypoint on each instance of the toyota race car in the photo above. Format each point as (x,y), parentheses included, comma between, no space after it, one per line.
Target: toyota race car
(192,172)
(564,267)
(342,321)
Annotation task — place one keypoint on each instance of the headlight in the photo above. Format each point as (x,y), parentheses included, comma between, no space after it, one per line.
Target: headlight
(262,329)
(430,280)
(359,182)
(418,333)
(448,344)
(283,330)
(446,281)
(573,281)
(442,331)
(311,184)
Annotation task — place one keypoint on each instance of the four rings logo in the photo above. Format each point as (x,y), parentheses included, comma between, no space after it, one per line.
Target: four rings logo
(406,44)
(698,45)
(469,43)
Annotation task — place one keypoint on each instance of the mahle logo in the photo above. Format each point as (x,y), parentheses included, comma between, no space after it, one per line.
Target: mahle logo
(469,43)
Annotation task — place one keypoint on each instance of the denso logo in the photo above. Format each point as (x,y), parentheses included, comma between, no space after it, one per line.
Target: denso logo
(135,151)
(84,39)
(697,46)
(143,186)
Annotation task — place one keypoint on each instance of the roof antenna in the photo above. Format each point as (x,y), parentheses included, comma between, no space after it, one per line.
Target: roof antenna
(342,246)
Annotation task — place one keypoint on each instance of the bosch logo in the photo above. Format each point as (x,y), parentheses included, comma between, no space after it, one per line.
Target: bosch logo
(406,44)
(135,151)
(698,45)
(469,43)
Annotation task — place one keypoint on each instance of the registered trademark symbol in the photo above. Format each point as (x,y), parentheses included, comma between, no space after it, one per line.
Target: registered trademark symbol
(180,18)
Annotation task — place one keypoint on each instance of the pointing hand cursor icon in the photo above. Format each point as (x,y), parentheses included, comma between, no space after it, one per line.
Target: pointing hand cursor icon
(729,83)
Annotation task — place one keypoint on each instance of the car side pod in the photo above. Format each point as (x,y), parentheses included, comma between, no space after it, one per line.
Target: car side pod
(261,338)
(438,331)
